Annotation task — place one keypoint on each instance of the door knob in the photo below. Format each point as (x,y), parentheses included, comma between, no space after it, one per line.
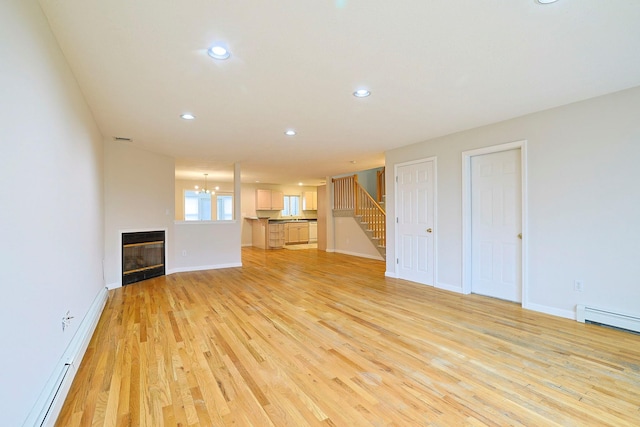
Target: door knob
(520,236)
(429,230)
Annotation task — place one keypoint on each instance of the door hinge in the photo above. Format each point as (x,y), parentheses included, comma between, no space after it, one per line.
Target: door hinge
(397,220)
(396,179)
(397,260)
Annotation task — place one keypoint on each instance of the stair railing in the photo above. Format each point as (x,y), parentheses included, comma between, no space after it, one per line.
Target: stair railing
(348,194)
(344,192)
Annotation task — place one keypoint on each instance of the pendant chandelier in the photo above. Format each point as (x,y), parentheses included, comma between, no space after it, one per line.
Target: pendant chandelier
(204,189)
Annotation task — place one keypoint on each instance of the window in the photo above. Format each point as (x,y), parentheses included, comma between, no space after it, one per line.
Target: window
(224,205)
(197,206)
(291,206)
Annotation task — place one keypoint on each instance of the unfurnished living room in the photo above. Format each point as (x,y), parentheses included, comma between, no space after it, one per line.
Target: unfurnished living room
(337,213)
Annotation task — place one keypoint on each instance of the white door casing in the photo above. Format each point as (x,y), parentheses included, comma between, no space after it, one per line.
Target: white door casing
(415,221)
(494,221)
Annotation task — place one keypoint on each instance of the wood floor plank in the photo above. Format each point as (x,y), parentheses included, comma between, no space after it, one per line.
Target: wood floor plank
(314,338)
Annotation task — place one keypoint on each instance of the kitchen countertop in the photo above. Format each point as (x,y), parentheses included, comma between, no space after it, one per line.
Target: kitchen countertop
(281,220)
(292,220)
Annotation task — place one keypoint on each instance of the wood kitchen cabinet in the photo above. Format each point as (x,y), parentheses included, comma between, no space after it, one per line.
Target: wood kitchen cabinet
(296,232)
(310,201)
(269,200)
(276,235)
(267,235)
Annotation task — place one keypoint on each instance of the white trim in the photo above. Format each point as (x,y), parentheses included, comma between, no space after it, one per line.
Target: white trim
(567,314)
(433,159)
(116,285)
(377,258)
(466,212)
(139,230)
(203,267)
(391,274)
(49,403)
(448,287)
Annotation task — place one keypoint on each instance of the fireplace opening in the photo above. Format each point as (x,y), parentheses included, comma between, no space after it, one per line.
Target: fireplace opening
(142,256)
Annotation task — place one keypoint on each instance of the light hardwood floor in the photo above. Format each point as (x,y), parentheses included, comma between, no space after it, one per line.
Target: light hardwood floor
(302,338)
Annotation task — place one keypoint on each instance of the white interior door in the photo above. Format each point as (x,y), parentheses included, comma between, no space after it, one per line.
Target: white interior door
(415,222)
(496,216)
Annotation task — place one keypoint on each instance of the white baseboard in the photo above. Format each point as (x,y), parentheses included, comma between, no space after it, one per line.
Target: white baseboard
(47,408)
(379,258)
(111,286)
(567,314)
(203,267)
(186,270)
(448,287)
(391,274)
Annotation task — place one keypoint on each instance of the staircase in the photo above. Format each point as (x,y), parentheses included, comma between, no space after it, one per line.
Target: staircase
(351,199)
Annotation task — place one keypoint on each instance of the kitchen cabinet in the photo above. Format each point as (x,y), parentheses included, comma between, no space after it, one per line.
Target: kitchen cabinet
(267,235)
(269,200)
(276,235)
(313,232)
(310,201)
(296,232)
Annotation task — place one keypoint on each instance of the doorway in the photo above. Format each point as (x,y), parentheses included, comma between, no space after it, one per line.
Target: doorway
(416,221)
(494,221)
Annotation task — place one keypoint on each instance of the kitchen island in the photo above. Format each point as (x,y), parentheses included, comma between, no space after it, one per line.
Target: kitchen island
(268,233)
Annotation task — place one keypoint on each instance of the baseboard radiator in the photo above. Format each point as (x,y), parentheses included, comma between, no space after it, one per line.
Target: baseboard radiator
(586,314)
(47,408)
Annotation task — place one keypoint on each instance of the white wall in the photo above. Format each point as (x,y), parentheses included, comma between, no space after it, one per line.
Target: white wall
(583,205)
(51,220)
(204,245)
(139,195)
(350,239)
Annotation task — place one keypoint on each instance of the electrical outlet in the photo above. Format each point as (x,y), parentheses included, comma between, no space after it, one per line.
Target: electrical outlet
(578,286)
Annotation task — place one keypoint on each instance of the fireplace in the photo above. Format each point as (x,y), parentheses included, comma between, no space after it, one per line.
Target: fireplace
(142,256)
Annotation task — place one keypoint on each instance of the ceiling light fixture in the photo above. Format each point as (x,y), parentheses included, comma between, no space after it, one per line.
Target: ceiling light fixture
(218,52)
(546,1)
(290,132)
(187,116)
(205,189)
(361,93)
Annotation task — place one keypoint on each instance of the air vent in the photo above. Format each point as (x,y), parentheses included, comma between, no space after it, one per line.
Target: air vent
(122,138)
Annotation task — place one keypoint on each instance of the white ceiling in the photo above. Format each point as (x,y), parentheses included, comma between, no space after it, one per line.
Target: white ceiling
(434,67)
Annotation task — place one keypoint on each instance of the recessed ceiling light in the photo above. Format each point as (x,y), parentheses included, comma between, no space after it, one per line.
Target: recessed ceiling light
(188,116)
(546,1)
(361,93)
(290,132)
(218,52)
(299,183)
